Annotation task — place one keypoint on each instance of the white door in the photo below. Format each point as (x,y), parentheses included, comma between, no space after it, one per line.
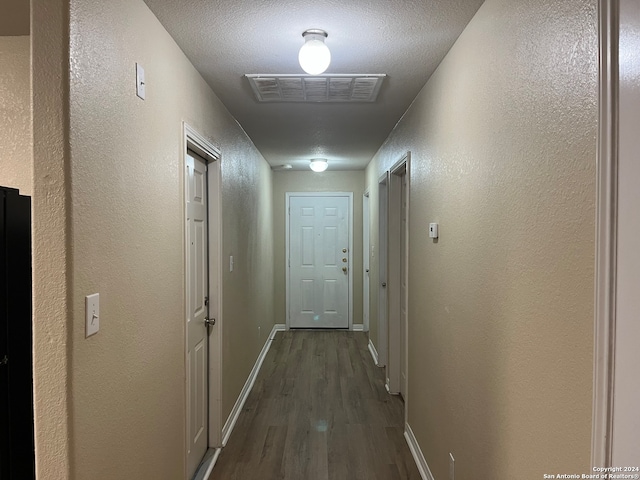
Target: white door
(319,261)
(197,287)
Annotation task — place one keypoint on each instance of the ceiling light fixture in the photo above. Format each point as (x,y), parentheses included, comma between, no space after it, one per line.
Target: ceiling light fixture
(314,56)
(318,164)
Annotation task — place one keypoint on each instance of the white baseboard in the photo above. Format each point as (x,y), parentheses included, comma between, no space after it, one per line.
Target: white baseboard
(237,408)
(374,352)
(210,464)
(357,327)
(421,462)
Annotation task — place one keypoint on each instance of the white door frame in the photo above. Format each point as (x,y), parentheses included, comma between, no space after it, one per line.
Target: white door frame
(199,144)
(606,241)
(383,333)
(366,259)
(288,195)
(613,228)
(397,345)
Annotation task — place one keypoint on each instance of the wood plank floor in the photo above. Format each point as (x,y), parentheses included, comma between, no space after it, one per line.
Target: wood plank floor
(318,411)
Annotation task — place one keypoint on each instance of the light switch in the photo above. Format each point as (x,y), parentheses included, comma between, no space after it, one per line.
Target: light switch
(433,230)
(231,263)
(92,314)
(140,83)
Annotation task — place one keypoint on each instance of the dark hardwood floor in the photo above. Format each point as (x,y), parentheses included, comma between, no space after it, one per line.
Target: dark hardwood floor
(318,411)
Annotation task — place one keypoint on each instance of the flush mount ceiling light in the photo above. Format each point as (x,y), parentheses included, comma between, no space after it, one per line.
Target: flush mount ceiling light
(318,164)
(314,56)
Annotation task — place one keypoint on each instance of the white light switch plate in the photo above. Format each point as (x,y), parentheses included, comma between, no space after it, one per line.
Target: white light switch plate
(92,314)
(433,230)
(140,82)
(231,263)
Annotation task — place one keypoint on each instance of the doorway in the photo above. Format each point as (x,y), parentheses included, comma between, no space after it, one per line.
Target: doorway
(197,282)
(203,325)
(397,274)
(366,256)
(383,332)
(319,257)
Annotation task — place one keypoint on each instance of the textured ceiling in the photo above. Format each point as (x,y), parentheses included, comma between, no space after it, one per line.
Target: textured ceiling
(226,39)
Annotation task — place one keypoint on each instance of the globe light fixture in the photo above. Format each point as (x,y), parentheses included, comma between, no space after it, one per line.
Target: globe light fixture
(314,56)
(318,164)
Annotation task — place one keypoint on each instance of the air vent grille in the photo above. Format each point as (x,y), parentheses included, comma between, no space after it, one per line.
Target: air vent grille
(324,88)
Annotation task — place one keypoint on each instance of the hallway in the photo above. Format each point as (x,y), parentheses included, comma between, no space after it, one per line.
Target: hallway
(318,410)
(505,146)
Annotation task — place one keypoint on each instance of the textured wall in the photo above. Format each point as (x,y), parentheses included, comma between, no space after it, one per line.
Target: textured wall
(248,298)
(14,20)
(503,142)
(51,239)
(118,168)
(15,113)
(329,181)
(626,427)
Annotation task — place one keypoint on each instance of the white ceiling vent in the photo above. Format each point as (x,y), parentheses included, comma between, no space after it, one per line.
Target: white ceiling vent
(323,88)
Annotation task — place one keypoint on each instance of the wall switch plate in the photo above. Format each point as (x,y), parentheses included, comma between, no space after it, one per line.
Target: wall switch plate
(452,467)
(433,230)
(231,263)
(140,83)
(92,314)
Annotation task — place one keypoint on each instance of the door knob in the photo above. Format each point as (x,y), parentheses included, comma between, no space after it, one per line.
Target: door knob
(344,250)
(209,322)
(384,284)
(344,260)
(344,269)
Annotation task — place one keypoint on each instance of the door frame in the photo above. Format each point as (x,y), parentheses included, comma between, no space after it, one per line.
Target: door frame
(397,343)
(606,236)
(383,334)
(366,260)
(288,196)
(192,140)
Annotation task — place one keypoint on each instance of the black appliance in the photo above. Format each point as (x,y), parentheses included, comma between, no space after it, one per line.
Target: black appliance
(17,459)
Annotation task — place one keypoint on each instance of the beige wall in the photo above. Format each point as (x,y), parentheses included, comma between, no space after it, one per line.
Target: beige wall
(626,421)
(296,181)
(14,20)
(501,307)
(110,220)
(15,113)
(51,228)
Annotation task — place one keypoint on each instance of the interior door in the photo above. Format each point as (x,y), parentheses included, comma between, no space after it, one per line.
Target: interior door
(383,328)
(319,261)
(404,282)
(366,255)
(197,288)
